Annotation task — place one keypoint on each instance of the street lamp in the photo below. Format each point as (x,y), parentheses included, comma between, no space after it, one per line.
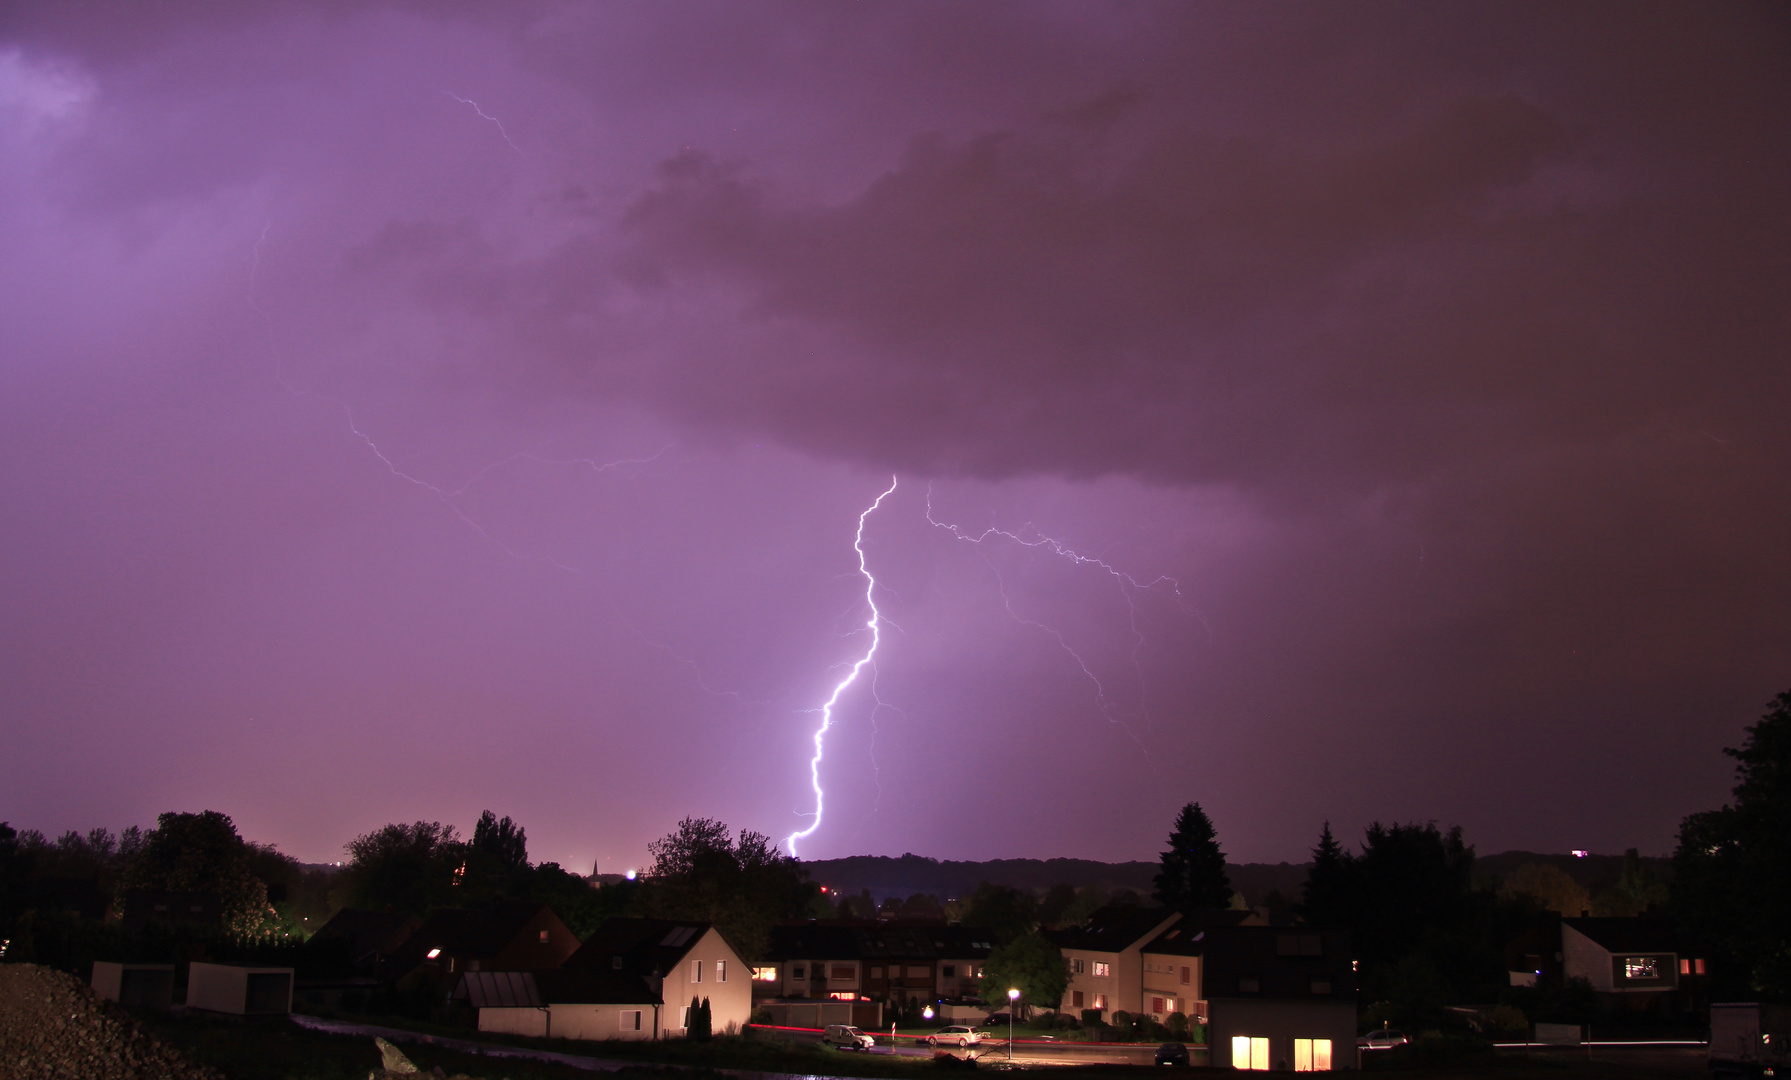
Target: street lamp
(1013,998)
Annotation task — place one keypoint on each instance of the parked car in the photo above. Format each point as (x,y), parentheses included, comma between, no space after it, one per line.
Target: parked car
(995,1020)
(1172,1054)
(847,1037)
(1382,1040)
(957,1033)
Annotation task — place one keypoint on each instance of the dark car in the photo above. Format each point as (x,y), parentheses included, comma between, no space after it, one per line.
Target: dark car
(1172,1054)
(995,1020)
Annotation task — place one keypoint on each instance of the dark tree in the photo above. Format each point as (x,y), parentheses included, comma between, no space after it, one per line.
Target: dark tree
(1326,896)
(1056,904)
(501,841)
(202,853)
(1008,913)
(1031,965)
(743,886)
(1193,874)
(1732,870)
(414,868)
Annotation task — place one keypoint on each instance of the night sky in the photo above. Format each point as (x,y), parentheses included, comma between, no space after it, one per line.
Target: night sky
(1321,411)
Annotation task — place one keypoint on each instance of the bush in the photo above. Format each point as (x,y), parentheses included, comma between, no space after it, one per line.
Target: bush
(1121,1024)
(1177,1026)
(1091,1018)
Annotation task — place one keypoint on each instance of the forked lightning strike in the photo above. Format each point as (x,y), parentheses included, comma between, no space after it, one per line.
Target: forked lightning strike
(875,625)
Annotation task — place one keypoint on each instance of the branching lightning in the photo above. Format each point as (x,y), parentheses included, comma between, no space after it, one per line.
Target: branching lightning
(483,115)
(875,625)
(1126,583)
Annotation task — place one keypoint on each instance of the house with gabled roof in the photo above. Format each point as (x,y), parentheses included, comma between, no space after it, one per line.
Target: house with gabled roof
(1105,957)
(878,960)
(512,935)
(1277,997)
(679,960)
(368,937)
(562,1004)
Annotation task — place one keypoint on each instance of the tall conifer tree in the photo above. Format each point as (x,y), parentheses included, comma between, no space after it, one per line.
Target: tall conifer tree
(1193,874)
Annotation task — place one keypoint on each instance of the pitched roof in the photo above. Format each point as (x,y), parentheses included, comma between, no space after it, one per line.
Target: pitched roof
(470,933)
(1636,934)
(1187,935)
(368,932)
(1114,928)
(645,946)
(1257,962)
(534,989)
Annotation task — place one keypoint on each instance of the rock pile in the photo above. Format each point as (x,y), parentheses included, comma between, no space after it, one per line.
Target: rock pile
(52,1027)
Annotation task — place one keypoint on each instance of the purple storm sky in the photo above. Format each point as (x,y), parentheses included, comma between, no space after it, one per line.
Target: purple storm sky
(416,408)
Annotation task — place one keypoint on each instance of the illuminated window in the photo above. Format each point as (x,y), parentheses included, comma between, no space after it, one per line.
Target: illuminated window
(696,971)
(543,937)
(1641,967)
(721,971)
(843,995)
(1312,1055)
(764,974)
(1102,971)
(432,954)
(1684,966)
(1101,1002)
(1248,1053)
(1697,967)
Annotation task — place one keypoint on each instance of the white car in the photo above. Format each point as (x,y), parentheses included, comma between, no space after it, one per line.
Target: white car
(1382,1040)
(847,1037)
(957,1033)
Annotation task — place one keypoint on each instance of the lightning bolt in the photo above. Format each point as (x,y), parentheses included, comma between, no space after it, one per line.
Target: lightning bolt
(483,115)
(875,625)
(1125,582)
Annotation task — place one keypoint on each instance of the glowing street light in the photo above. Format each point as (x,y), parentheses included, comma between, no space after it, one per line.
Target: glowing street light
(1013,998)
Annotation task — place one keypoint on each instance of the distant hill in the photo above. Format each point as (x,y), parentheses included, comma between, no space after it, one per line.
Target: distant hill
(887,876)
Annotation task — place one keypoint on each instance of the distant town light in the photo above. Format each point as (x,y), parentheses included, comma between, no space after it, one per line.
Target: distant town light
(1578,854)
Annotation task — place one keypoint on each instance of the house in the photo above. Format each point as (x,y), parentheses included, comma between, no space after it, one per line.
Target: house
(513,935)
(870,960)
(1276,997)
(239,989)
(1105,956)
(678,961)
(368,937)
(1636,960)
(144,906)
(563,1004)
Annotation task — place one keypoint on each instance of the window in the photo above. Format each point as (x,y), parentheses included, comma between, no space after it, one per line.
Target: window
(843,995)
(1076,967)
(1249,984)
(1101,1002)
(1075,999)
(950,971)
(876,973)
(630,1020)
(1102,971)
(1312,1055)
(721,971)
(1641,967)
(615,963)
(696,971)
(543,937)
(1248,1053)
(1684,965)
(798,972)
(919,972)
(844,972)
(1187,975)
(684,1017)
(432,954)
(1697,967)
(764,974)
(1156,1006)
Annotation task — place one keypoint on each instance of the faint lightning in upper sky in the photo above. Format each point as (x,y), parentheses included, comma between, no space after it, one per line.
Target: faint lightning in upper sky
(1126,583)
(875,626)
(486,116)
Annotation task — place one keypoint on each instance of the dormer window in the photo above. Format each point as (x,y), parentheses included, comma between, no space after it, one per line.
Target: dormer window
(543,937)
(615,963)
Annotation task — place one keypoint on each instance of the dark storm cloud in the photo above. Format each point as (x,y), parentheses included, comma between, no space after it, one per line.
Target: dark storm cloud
(1438,351)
